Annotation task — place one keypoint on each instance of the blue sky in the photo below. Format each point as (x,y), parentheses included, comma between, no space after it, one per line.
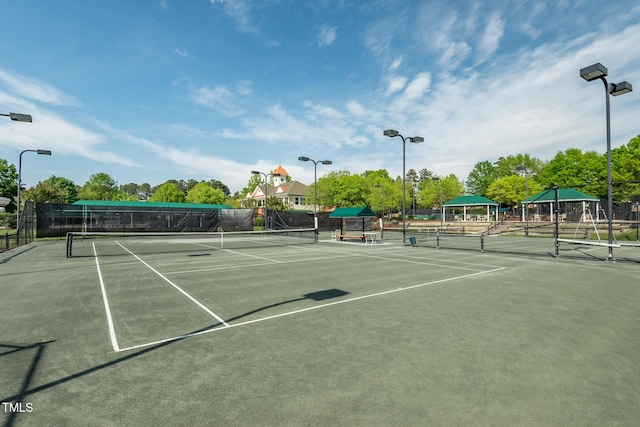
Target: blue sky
(148,91)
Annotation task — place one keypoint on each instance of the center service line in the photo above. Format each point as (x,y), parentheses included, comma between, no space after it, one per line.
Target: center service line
(195,301)
(112,329)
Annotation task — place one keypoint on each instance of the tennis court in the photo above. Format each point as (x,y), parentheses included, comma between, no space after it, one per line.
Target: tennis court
(297,333)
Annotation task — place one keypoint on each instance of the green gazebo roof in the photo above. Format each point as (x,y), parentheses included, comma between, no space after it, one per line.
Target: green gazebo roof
(359,212)
(564,195)
(475,200)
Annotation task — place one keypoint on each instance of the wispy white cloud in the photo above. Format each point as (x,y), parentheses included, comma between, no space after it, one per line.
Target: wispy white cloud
(490,40)
(223,99)
(326,35)
(240,12)
(181,52)
(35,90)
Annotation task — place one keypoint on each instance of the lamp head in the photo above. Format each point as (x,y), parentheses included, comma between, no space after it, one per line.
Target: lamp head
(255,172)
(391,133)
(303,159)
(620,88)
(521,168)
(20,117)
(593,72)
(45,152)
(416,139)
(326,162)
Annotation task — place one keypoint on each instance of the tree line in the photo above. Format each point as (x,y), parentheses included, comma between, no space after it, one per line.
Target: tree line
(505,180)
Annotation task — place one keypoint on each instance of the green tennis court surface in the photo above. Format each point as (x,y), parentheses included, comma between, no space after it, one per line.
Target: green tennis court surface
(328,334)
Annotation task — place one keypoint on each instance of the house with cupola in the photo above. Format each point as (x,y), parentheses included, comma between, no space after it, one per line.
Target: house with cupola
(292,193)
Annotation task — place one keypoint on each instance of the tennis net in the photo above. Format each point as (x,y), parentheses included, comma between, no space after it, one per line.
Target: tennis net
(91,244)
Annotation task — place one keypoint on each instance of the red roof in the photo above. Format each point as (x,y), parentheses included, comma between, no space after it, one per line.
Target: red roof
(280,170)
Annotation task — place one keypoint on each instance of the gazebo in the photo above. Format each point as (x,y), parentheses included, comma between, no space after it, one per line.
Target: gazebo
(357,212)
(472,201)
(569,199)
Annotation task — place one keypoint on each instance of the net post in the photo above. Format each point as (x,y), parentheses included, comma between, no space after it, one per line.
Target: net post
(482,243)
(556,207)
(69,244)
(438,239)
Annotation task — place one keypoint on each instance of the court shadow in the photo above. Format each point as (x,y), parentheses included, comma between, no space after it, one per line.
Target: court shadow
(314,296)
(32,363)
(26,391)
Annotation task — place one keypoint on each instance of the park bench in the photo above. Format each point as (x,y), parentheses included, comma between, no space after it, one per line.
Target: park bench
(338,235)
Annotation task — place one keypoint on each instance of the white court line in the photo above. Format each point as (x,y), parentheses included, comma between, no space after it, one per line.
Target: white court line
(409,261)
(112,330)
(231,267)
(248,322)
(195,301)
(234,252)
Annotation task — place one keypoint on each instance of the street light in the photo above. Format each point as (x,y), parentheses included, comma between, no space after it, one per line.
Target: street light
(526,207)
(315,189)
(41,152)
(590,73)
(416,140)
(266,193)
(16,117)
(435,178)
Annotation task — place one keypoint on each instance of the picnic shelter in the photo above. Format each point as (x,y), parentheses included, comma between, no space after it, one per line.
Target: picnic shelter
(474,201)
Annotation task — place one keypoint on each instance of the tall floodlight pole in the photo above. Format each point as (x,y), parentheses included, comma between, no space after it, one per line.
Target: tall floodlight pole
(416,140)
(590,73)
(17,117)
(526,198)
(266,193)
(41,152)
(441,207)
(315,189)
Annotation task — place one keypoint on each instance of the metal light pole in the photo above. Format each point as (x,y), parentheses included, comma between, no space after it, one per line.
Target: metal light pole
(590,73)
(315,189)
(416,140)
(266,193)
(441,207)
(17,117)
(41,152)
(526,207)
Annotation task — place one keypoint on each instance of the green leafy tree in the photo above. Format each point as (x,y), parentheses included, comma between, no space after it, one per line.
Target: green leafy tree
(168,192)
(100,186)
(221,186)
(480,177)
(8,183)
(381,190)
(254,181)
(340,188)
(511,190)
(144,191)
(53,190)
(203,192)
(625,167)
(429,194)
(573,168)
(44,192)
(131,189)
